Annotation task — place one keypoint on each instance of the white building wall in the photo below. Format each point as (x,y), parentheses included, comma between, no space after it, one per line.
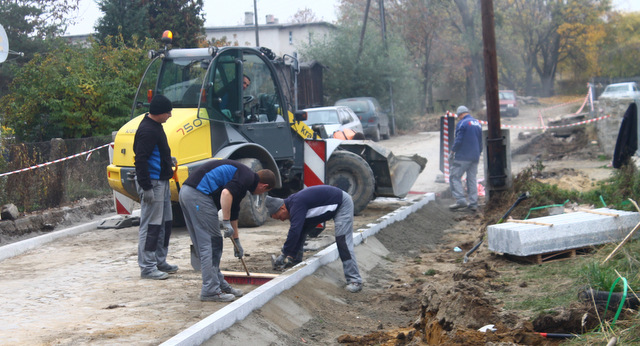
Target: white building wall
(280,38)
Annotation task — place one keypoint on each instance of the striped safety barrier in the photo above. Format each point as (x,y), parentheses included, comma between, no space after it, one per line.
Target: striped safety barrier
(56,161)
(315,159)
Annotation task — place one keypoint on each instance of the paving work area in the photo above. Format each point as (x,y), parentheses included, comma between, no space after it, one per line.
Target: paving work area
(99,298)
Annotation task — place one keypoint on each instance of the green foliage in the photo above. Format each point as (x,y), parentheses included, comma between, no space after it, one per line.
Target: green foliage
(126,18)
(369,75)
(73,92)
(618,54)
(137,20)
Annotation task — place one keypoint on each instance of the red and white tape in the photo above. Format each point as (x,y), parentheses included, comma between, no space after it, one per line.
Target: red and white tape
(56,161)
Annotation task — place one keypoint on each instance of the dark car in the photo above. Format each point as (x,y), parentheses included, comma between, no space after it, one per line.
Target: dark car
(508,103)
(375,122)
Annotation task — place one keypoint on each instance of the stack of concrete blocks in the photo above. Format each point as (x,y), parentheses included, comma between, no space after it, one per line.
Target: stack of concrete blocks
(608,129)
(568,231)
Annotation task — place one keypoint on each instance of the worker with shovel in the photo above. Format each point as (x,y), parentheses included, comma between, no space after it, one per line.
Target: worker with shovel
(305,210)
(218,184)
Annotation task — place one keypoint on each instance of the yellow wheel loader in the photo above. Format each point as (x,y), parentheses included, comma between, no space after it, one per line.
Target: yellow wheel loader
(217,116)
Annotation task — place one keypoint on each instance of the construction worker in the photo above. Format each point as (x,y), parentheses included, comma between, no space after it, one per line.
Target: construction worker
(153,164)
(308,208)
(348,134)
(464,158)
(218,185)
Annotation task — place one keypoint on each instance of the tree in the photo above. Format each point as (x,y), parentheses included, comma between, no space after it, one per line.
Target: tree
(305,15)
(619,52)
(74,92)
(550,33)
(420,27)
(136,20)
(28,23)
(183,17)
(371,74)
(126,18)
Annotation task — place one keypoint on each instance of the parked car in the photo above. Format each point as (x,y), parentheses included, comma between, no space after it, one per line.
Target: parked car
(627,90)
(331,119)
(508,103)
(375,121)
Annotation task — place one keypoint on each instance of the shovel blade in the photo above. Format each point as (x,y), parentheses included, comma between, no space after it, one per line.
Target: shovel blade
(195,259)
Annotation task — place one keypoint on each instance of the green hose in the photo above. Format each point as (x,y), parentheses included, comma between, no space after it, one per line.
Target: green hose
(545,206)
(622,301)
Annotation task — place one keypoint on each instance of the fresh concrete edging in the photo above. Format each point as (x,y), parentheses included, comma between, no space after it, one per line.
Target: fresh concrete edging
(17,248)
(241,308)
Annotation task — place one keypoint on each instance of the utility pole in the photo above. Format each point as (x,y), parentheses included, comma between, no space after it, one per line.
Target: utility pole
(255,11)
(497,160)
(383,29)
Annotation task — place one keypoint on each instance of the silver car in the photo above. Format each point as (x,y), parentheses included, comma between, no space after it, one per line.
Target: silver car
(375,121)
(328,120)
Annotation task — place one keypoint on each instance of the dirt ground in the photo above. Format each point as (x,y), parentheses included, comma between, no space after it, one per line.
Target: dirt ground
(420,293)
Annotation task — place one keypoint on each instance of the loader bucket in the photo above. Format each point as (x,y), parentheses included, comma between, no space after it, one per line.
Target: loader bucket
(394,175)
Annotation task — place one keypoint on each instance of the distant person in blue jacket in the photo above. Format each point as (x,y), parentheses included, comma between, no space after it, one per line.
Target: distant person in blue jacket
(308,208)
(464,158)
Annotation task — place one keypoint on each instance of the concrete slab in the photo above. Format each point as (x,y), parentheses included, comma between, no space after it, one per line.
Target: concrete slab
(561,232)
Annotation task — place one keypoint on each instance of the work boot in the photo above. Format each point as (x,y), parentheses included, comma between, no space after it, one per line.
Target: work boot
(155,275)
(456,206)
(472,208)
(236,292)
(220,297)
(354,287)
(168,268)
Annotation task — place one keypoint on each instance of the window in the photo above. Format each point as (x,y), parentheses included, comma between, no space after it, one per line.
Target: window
(290,37)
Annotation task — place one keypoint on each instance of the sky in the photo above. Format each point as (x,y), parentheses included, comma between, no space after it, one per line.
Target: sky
(223,12)
(233,11)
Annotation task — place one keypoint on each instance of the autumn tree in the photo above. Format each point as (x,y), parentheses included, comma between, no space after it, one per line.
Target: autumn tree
(419,23)
(618,56)
(550,33)
(305,15)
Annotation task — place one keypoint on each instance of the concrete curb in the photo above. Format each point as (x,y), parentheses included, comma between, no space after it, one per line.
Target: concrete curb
(17,248)
(241,308)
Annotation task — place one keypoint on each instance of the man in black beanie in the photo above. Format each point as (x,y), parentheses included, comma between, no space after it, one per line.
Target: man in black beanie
(153,170)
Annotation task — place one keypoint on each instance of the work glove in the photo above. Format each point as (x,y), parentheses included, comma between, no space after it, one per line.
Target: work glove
(238,251)
(147,196)
(282,262)
(452,155)
(227,230)
(174,161)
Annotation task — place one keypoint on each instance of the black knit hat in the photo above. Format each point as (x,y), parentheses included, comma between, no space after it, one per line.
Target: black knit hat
(160,104)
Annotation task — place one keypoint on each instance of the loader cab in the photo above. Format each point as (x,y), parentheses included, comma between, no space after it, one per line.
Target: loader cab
(258,112)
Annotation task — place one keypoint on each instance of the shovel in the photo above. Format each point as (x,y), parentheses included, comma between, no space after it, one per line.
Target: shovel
(521,198)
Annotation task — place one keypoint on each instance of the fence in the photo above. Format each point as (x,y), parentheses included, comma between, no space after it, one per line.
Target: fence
(56,184)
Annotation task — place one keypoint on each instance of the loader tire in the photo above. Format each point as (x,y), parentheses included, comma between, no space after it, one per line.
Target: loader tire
(253,209)
(352,174)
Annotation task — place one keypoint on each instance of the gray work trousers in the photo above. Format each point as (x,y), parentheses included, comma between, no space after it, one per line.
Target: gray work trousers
(201,219)
(458,168)
(155,227)
(344,239)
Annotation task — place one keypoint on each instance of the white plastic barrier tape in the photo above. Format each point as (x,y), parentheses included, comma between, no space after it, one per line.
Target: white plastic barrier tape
(56,161)
(551,127)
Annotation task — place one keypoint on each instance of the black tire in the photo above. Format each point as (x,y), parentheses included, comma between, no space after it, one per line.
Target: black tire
(253,210)
(352,174)
(376,135)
